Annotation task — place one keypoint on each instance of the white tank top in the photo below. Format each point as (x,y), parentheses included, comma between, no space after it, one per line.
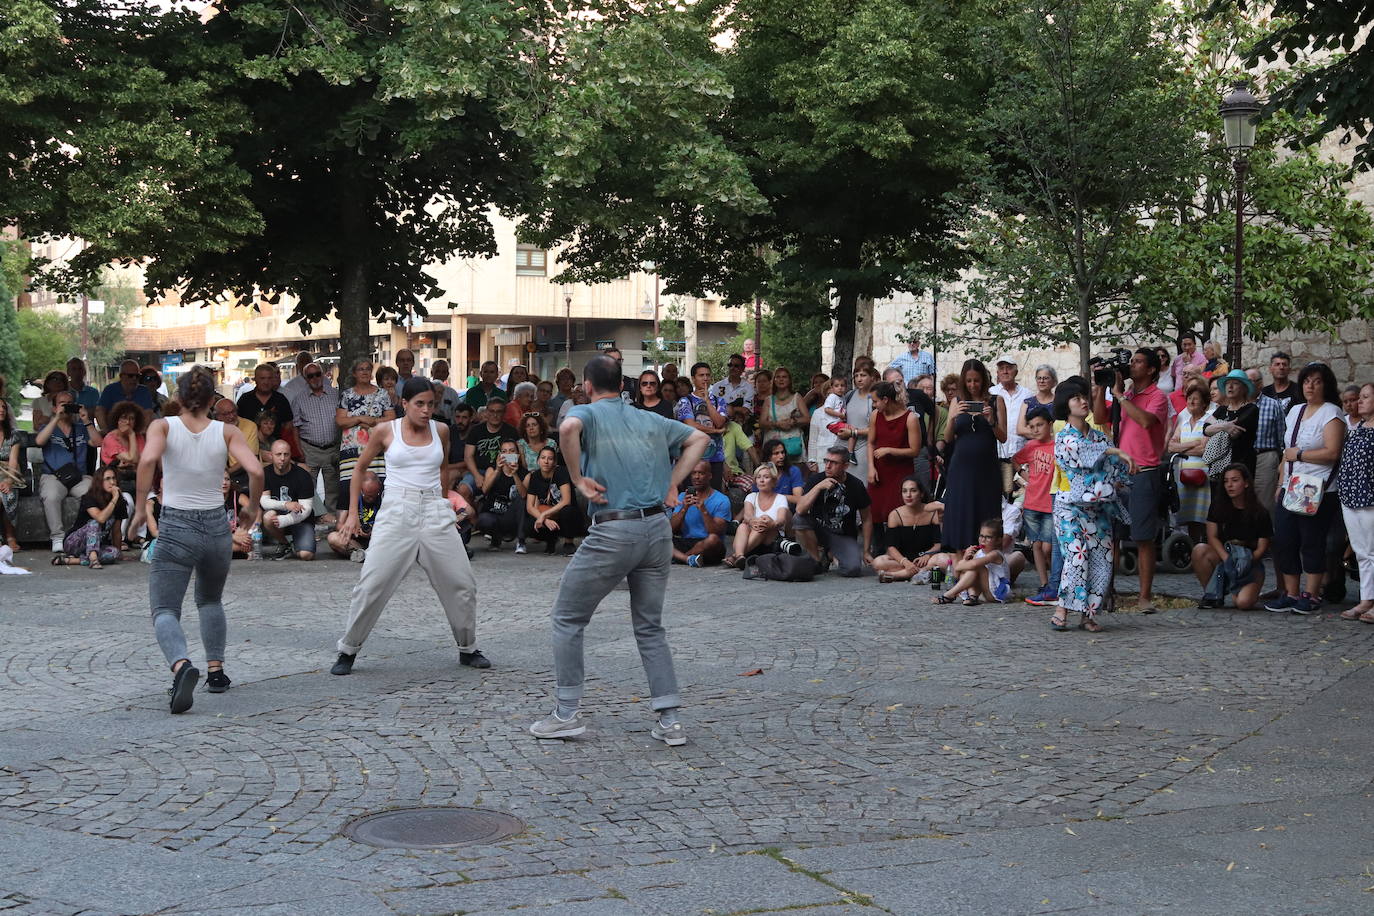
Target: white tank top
(193,466)
(414,467)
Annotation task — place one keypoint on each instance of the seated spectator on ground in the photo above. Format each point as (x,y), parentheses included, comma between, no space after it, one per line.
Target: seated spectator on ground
(984,572)
(700,520)
(122,445)
(288,502)
(832,512)
(462,512)
(1238,534)
(763,519)
(369,502)
(64,440)
(267,434)
(95,538)
(502,514)
(11,481)
(235,503)
(1037,510)
(912,536)
(551,512)
(535,439)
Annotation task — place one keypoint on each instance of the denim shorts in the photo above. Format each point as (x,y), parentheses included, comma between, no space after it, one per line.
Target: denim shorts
(1037,526)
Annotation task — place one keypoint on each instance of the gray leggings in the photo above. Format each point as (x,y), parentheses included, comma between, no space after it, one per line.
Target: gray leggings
(190,540)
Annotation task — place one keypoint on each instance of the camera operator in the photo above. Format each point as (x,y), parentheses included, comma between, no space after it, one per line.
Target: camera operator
(1140,417)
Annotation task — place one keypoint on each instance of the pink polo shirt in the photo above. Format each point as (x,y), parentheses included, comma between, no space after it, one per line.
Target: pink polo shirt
(1142,444)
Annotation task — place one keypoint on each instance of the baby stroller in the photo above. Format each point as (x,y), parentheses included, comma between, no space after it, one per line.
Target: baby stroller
(1174,546)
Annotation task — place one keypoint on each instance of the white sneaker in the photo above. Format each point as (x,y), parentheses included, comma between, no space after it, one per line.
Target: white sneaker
(57,544)
(672,735)
(554,727)
(358,555)
(520,547)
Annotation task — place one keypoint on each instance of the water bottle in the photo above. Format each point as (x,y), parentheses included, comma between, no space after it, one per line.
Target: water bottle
(256,552)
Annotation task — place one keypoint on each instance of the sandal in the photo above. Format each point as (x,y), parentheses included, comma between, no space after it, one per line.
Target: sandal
(971,602)
(1060,622)
(1092,626)
(942,599)
(1352,614)
(885,578)
(1367,617)
(59,560)
(731,561)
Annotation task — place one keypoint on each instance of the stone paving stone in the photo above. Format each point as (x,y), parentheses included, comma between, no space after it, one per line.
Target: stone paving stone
(497,894)
(717,885)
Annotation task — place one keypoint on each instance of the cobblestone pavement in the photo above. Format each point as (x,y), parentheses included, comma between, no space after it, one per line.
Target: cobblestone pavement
(890,756)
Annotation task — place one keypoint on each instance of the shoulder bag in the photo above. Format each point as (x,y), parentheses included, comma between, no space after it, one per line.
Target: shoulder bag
(1302,493)
(792,438)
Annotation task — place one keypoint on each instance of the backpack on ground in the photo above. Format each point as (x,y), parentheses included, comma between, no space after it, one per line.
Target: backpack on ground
(781,567)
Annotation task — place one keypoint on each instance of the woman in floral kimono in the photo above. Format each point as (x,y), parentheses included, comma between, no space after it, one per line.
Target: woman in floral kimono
(1083,515)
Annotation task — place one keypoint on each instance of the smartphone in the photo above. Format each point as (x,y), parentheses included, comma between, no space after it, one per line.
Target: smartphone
(977,405)
(690,491)
(71,408)
(510,459)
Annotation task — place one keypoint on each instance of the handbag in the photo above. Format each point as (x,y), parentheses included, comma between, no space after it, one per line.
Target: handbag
(1302,493)
(1192,477)
(1217,454)
(791,439)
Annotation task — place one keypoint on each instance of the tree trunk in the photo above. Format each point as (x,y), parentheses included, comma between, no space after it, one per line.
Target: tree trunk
(354,300)
(863,327)
(1085,331)
(845,312)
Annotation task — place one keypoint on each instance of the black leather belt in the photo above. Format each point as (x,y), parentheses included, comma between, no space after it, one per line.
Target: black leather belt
(616,515)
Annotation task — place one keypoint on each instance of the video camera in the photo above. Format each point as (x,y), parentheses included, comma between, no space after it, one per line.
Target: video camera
(1107,367)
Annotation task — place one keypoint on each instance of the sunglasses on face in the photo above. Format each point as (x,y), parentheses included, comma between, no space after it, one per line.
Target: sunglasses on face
(647,384)
(314,374)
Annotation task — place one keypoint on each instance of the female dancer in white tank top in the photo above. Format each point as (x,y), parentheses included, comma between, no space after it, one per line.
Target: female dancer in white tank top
(192,533)
(416,524)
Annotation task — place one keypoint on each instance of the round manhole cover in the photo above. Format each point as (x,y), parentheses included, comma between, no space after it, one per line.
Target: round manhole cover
(432,828)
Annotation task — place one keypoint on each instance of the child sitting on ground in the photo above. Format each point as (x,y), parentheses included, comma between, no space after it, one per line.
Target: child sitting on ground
(983,573)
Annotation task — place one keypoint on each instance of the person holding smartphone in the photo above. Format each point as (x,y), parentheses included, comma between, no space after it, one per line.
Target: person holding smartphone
(977,424)
(64,439)
(503,499)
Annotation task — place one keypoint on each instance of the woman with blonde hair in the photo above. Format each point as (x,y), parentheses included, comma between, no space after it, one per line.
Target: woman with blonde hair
(763,518)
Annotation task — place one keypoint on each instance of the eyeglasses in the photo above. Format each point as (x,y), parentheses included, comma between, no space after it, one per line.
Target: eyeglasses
(128,375)
(987,537)
(314,374)
(647,384)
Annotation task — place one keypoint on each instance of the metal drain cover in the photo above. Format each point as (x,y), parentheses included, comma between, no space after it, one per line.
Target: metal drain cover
(432,828)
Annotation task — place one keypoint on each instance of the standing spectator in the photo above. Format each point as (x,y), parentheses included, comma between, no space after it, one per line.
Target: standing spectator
(86,395)
(95,537)
(977,425)
(832,512)
(830,413)
(315,405)
(125,388)
(1357,501)
(362,408)
(912,536)
(297,383)
(1350,405)
(1166,377)
(1316,436)
(735,387)
(1281,389)
(42,407)
(1269,435)
(914,362)
(264,396)
(487,388)
(534,439)
(1188,441)
(817,393)
(64,440)
(503,498)
(1237,417)
(288,497)
(1143,429)
(784,416)
(446,398)
(121,446)
(1230,561)
(405,365)
(521,402)
(762,520)
(700,520)
(542,397)
(949,390)
(670,372)
(651,395)
(1192,375)
(894,440)
(518,373)
(1188,355)
(354,544)
(741,457)
(706,412)
(1043,397)
(1215,365)
(763,388)
(1085,512)
(858,411)
(9,473)
(226,412)
(1037,511)
(386,380)
(550,509)
(566,380)
(1013,395)
(751,358)
(151,379)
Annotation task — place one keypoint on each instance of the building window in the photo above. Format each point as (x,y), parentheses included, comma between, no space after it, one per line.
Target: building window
(531,261)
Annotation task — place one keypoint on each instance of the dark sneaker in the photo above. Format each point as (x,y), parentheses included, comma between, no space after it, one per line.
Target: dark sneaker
(1209,604)
(551,548)
(474,659)
(344,665)
(1280,605)
(569,548)
(217,681)
(1306,605)
(183,687)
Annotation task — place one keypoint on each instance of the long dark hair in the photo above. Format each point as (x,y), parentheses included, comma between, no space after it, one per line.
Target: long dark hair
(7,422)
(766,453)
(977,366)
(1225,508)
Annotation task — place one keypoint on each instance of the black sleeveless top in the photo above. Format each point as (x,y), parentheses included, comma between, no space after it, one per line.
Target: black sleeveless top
(913,540)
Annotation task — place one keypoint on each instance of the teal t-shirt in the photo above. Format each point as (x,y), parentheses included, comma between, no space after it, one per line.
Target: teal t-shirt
(627,451)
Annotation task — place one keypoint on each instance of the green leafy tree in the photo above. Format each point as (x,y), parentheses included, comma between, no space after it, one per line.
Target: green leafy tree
(11,347)
(1085,120)
(44,339)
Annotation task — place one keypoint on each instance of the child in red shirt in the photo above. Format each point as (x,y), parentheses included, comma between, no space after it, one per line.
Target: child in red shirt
(1037,513)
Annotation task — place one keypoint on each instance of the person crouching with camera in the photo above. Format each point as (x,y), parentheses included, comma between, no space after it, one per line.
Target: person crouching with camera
(1142,428)
(64,439)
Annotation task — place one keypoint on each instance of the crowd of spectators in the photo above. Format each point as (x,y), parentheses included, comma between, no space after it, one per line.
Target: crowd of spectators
(865,473)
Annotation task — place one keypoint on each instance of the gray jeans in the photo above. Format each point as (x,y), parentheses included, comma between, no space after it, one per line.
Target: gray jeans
(324,461)
(640,550)
(52,492)
(190,540)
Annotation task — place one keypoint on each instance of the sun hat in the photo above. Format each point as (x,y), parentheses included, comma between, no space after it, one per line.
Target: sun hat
(1237,374)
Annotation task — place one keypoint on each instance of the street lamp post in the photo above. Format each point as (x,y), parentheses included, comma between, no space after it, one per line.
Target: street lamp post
(1238,113)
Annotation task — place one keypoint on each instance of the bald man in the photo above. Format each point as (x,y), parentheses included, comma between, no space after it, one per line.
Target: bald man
(125,388)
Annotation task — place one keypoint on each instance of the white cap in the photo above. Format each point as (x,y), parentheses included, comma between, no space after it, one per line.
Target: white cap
(1006,358)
